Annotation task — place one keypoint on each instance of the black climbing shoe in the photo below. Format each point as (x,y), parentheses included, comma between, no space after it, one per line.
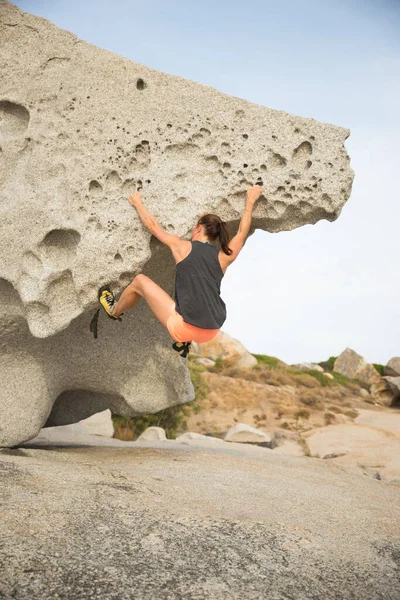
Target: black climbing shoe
(183,348)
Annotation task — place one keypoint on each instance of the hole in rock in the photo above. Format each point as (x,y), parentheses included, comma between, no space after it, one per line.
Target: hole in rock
(59,246)
(113,180)
(75,405)
(118,258)
(95,186)
(301,154)
(10,300)
(65,239)
(14,120)
(276,160)
(246,137)
(140,84)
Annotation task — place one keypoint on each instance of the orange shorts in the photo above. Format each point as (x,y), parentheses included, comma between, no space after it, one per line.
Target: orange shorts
(184,332)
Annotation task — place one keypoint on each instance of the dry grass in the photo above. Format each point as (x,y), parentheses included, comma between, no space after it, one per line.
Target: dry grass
(351,413)
(124,433)
(336,409)
(302,413)
(313,400)
(329,418)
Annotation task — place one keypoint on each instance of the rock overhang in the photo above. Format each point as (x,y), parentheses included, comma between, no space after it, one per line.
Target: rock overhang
(80,129)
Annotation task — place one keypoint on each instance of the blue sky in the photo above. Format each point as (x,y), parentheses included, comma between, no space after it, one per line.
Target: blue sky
(311,292)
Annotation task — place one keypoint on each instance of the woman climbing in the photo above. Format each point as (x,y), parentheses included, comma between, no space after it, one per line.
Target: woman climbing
(198,311)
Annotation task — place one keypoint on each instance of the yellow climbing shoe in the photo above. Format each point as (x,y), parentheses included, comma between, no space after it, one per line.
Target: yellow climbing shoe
(182,348)
(107,301)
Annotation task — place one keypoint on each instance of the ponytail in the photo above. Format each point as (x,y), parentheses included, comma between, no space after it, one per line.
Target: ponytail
(216,228)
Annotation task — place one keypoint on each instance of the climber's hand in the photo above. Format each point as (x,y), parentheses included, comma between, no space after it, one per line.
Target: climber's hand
(253,194)
(135,199)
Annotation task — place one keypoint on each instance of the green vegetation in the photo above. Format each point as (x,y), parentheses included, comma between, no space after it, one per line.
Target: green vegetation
(270,361)
(327,365)
(172,419)
(379,368)
(324,381)
(219,365)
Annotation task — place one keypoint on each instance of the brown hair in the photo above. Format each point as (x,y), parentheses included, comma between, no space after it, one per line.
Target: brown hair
(215,228)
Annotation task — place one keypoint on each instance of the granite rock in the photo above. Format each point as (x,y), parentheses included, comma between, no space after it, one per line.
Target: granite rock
(393,367)
(354,366)
(80,129)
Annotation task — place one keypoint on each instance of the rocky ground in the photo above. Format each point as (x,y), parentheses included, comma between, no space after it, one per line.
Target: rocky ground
(304,411)
(163,520)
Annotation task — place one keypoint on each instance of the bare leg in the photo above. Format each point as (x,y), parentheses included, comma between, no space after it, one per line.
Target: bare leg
(143,287)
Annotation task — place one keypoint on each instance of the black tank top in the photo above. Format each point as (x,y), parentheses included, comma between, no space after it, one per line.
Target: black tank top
(197,287)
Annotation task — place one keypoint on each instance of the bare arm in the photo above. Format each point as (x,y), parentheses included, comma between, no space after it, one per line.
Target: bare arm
(175,243)
(236,243)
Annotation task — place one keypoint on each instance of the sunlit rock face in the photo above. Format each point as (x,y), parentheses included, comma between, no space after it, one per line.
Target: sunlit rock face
(80,128)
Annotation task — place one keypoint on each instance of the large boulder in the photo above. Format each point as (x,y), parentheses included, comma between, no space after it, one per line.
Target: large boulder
(393,367)
(225,347)
(354,366)
(386,390)
(80,129)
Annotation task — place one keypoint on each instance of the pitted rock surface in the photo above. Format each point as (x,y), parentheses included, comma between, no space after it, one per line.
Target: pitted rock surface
(80,129)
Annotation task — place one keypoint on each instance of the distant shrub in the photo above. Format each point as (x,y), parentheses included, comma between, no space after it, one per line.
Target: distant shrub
(171,419)
(379,368)
(324,381)
(327,365)
(302,413)
(218,367)
(342,379)
(352,384)
(270,361)
(312,399)
(306,379)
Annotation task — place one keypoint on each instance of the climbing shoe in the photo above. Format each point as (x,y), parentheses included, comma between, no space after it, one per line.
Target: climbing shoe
(183,348)
(107,300)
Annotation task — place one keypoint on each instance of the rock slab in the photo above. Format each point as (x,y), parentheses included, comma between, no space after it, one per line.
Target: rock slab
(165,521)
